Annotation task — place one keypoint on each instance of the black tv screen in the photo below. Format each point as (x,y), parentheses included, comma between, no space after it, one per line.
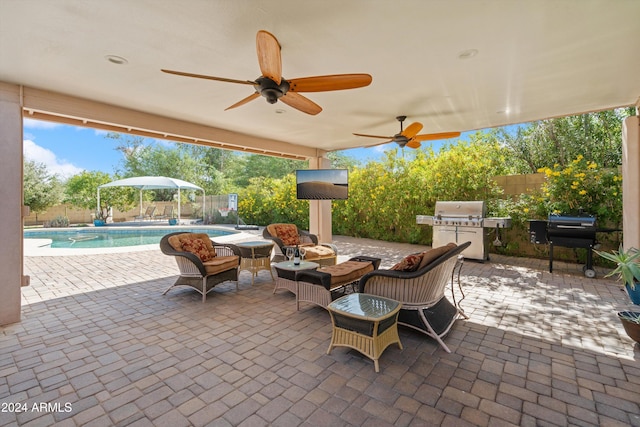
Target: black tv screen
(322,184)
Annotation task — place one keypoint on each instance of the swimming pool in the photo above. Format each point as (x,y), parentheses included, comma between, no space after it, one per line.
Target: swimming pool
(103,237)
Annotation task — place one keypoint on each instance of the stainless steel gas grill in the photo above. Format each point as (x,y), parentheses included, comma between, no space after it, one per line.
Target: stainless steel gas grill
(569,232)
(460,222)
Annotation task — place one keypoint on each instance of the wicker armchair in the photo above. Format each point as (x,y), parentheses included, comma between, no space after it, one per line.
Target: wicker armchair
(290,235)
(424,305)
(201,276)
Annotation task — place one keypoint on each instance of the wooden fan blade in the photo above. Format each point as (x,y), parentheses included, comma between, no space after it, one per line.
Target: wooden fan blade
(202,76)
(436,136)
(373,136)
(328,83)
(413,144)
(412,130)
(299,102)
(269,56)
(244,101)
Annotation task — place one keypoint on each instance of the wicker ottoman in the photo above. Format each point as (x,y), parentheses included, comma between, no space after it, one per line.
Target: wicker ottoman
(325,284)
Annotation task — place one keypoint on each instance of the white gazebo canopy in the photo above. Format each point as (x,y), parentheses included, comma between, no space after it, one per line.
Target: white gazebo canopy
(153,183)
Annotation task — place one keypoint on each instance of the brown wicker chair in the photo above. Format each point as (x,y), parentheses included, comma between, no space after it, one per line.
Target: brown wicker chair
(321,253)
(424,305)
(202,276)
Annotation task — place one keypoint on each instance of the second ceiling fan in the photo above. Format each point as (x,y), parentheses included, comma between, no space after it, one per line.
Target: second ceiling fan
(274,87)
(409,137)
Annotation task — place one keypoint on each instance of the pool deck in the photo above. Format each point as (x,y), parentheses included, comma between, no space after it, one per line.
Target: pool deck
(539,349)
(41,247)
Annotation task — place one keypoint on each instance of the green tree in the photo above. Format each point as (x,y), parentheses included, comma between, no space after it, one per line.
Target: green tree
(81,191)
(557,142)
(217,167)
(41,189)
(342,161)
(258,166)
(174,160)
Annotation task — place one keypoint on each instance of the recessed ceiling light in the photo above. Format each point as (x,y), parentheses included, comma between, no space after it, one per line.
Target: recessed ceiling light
(467,54)
(115,59)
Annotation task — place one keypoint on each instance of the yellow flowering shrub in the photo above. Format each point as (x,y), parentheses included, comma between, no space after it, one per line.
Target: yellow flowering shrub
(581,187)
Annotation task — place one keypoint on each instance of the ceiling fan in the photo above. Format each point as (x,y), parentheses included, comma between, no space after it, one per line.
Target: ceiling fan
(409,137)
(273,87)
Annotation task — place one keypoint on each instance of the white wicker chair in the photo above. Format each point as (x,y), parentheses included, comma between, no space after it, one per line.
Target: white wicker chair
(424,305)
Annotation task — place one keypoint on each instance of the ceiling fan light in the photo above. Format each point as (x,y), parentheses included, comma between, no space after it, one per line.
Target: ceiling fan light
(271,95)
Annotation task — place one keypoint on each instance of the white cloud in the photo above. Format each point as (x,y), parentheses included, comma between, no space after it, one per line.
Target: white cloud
(39,124)
(34,152)
(382,148)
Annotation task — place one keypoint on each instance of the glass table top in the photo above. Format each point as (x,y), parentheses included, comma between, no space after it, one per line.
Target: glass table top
(255,244)
(364,305)
(289,265)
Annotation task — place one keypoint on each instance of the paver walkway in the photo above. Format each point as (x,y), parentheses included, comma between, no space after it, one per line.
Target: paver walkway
(98,345)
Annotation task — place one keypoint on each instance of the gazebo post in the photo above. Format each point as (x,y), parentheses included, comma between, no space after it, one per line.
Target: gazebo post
(178,205)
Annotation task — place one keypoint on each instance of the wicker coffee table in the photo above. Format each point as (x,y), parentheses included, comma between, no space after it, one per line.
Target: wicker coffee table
(366,323)
(255,256)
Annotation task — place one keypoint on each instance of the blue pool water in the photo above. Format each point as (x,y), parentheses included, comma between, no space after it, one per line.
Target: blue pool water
(111,237)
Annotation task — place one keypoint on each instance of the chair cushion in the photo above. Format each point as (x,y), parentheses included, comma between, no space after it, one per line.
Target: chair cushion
(317,251)
(347,271)
(177,242)
(197,247)
(408,263)
(432,254)
(288,233)
(221,263)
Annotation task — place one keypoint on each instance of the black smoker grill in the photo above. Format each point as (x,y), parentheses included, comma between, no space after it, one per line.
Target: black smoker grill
(568,232)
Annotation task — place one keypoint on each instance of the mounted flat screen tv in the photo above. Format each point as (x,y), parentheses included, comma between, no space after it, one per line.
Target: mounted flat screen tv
(322,184)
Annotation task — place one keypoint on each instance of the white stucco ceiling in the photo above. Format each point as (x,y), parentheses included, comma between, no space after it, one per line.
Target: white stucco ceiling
(535,59)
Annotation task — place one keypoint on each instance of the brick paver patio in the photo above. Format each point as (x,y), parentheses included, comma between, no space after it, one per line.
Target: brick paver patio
(98,345)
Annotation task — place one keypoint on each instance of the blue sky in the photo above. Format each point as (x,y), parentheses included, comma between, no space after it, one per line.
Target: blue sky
(68,150)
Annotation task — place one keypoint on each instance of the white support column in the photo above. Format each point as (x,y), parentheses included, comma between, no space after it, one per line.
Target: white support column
(631,182)
(320,210)
(11,250)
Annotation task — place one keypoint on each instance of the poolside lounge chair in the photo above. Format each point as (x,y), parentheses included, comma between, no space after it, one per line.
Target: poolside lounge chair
(203,263)
(148,213)
(166,214)
(290,235)
(419,283)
